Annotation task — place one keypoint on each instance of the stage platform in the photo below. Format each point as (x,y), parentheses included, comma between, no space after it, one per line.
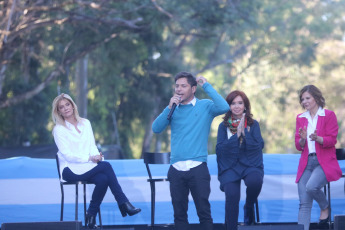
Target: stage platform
(30,192)
(259,226)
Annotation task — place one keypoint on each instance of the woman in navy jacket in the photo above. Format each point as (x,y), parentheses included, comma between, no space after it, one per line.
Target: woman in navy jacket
(239,157)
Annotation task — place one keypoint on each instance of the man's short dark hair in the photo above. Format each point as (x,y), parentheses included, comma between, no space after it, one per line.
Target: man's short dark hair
(190,78)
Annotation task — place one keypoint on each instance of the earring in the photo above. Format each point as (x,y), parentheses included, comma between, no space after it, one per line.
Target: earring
(245,110)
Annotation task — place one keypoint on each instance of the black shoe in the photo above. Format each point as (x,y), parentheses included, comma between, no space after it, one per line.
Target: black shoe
(248,214)
(323,224)
(128,208)
(90,221)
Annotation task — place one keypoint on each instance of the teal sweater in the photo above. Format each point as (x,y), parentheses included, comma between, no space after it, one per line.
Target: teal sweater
(190,126)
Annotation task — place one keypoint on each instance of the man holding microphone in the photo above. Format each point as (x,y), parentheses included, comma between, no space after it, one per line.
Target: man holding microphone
(190,126)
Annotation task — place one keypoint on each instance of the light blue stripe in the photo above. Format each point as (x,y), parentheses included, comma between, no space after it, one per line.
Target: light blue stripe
(25,167)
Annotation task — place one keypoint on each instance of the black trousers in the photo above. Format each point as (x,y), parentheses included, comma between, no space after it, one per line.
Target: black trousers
(232,190)
(197,182)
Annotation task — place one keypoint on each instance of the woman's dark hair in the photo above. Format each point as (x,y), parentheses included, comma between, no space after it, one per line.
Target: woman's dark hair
(315,92)
(246,101)
(190,78)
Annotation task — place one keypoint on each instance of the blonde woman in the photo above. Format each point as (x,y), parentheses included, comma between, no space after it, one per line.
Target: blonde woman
(80,159)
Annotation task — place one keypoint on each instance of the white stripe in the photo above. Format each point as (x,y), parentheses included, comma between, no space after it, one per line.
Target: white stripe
(137,189)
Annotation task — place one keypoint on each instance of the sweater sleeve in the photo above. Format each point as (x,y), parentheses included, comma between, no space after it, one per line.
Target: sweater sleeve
(219,105)
(254,140)
(161,122)
(227,150)
(225,147)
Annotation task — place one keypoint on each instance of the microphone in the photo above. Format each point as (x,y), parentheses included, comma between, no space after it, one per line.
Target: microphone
(173,107)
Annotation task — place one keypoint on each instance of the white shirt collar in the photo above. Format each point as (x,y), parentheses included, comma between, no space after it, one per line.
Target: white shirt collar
(320,112)
(193,101)
(69,125)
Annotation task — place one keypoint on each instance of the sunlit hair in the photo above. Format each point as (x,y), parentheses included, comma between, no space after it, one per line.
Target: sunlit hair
(56,116)
(190,78)
(246,102)
(315,93)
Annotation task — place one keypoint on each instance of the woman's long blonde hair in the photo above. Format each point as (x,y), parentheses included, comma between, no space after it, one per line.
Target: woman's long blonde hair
(56,116)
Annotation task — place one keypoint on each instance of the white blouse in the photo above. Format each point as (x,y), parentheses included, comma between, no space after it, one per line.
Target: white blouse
(312,123)
(75,148)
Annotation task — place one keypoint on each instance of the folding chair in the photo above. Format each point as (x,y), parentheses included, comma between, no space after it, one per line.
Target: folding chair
(155,158)
(76,183)
(327,188)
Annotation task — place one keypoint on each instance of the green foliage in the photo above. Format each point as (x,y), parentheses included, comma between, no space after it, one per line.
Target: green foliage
(269,49)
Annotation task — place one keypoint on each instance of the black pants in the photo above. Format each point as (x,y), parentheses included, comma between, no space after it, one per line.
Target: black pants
(197,181)
(103,176)
(232,190)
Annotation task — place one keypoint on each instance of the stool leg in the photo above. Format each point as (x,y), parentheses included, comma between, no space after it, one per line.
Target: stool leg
(100,218)
(329,205)
(76,202)
(62,201)
(84,188)
(153,203)
(257,211)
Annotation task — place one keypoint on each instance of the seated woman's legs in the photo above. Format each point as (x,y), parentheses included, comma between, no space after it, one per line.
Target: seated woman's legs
(125,206)
(101,185)
(107,178)
(316,181)
(115,188)
(313,187)
(232,200)
(253,181)
(305,200)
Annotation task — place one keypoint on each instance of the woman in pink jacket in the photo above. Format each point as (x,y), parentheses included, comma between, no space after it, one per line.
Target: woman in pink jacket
(316,136)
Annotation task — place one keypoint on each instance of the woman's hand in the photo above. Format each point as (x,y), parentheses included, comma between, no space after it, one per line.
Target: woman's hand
(96,158)
(303,133)
(315,137)
(303,136)
(241,126)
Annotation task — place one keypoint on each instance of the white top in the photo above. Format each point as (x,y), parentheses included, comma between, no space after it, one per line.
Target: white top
(229,133)
(187,165)
(312,127)
(75,148)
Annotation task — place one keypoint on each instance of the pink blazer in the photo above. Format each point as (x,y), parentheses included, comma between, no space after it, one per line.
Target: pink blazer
(327,127)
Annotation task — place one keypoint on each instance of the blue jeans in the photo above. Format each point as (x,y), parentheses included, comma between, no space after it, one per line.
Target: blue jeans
(309,189)
(197,181)
(103,176)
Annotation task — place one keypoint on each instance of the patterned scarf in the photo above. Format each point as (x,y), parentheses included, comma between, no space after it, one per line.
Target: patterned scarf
(233,124)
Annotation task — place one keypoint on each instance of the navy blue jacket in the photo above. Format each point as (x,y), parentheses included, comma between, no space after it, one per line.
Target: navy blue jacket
(230,152)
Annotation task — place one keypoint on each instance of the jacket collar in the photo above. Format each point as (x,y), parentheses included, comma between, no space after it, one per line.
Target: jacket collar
(320,112)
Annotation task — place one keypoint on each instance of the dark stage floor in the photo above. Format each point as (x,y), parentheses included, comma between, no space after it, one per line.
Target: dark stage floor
(261,226)
(76,225)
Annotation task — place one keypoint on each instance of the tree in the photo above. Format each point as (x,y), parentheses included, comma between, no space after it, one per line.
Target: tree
(33,25)
(269,49)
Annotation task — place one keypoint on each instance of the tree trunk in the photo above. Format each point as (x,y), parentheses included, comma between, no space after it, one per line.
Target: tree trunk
(2,76)
(81,85)
(116,130)
(148,135)
(148,130)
